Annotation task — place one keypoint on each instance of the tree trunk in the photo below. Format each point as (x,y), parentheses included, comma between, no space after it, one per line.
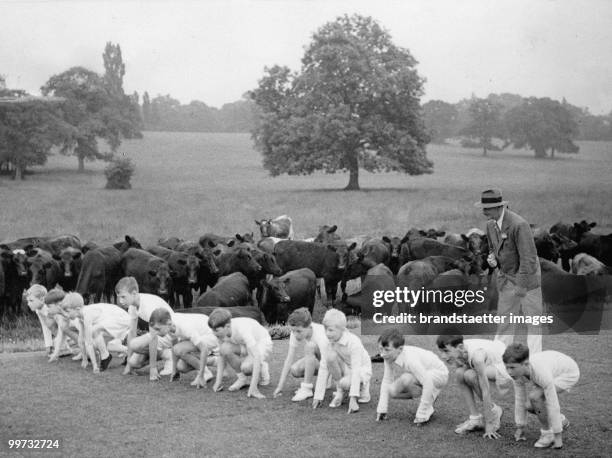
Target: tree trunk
(484,150)
(353,184)
(81,163)
(19,169)
(540,153)
(552,152)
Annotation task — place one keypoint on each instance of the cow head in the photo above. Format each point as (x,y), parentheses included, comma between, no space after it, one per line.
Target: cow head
(265,226)
(159,276)
(38,265)
(581,228)
(207,258)
(327,234)
(69,258)
(245,263)
(127,243)
(394,244)
(20,260)
(267,262)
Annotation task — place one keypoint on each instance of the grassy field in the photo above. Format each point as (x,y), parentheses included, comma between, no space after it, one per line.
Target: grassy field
(188,184)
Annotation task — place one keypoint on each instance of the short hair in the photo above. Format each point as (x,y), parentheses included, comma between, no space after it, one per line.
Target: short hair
(128,284)
(73,301)
(54,296)
(391,337)
(516,353)
(453,340)
(300,317)
(218,318)
(159,316)
(37,291)
(334,317)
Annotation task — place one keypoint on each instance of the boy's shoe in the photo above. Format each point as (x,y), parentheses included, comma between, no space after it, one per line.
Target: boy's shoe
(77,357)
(497,411)
(303,393)
(471,424)
(364,393)
(264,376)
(546,440)
(422,420)
(168,369)
(105,362)
(337,400)
(240,382)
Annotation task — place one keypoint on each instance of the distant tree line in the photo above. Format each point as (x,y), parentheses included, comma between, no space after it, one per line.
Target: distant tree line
(163,113)
(541,124)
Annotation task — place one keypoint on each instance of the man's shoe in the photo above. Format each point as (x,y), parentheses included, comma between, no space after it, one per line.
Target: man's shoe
(471,424)
(105,362)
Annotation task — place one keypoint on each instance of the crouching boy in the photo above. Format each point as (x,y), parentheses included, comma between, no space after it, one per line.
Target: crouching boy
(550,372)
(312,336)
(98,324)
(246,346)
(477,362)
(35,298)
(143,350)
(348,362)
(193,342)
(409,372)
(53,301)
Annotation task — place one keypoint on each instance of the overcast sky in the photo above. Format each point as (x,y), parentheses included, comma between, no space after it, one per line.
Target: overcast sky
(214,51)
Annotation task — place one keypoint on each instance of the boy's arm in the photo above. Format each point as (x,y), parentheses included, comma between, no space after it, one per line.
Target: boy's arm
(153,373)
(47,334)
(383,400)
(59,338)
(199,380)
(479,365)
(545,381)
(285,371)
(257,359)
(424,378)
(220,369)
(322,376)
(356,349)
(88,339)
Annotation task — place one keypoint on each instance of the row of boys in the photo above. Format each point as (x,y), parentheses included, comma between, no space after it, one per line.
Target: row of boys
(332,354)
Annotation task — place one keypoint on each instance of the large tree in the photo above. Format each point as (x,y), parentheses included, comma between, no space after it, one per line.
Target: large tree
(440,120)
(29,127)
(484,122)
(542,124)
(355,102)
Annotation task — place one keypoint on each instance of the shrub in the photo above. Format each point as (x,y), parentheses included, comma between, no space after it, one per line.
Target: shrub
(118,173)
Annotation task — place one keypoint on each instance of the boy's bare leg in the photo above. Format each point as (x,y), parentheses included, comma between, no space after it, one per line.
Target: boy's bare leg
(538,403)
(466,380)
(185,351)
(405,387)
(311,362)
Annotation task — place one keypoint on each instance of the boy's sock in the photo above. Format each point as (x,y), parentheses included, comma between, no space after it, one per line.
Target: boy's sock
(240,382)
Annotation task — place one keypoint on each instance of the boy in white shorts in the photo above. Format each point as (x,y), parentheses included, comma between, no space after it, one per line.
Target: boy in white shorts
(550,372)
(477,362)
(246,346)
(312,335)
(190,333)
(409,372)
(348,362)
(143,349)
(98,324)
(53,300)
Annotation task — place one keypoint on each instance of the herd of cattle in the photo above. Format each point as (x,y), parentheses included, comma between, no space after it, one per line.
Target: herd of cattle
(277,273)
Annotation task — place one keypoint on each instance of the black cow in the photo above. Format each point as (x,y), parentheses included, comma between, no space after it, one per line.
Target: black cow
(323,260)
(178,262)
(245,311)
(238,260)
(377,278)
(545,245)
(70,260)
(394,245)
(127,243)
(599,246)
(44,270)
(282,295)
(16,277)
(327,234)
(151,272)
(230,291)
(420,248)
(100,272)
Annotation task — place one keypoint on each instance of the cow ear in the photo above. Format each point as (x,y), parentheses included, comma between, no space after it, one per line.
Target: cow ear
(258,222)
(465,237)
(386,239)
(217,252)
(440,233)
(211,244)
(77,255)
(422,232)
(152,273)
(332,229)
(5,247)
(405,239)
(352,246)
(239,238)
(231,243)
(593,224)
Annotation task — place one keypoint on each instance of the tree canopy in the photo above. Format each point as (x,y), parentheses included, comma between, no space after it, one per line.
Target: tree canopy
(484,122)
(355,103)
(542,124)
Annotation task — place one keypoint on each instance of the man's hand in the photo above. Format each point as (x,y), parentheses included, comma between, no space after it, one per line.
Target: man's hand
(153,374)
(491,260)
(316,403)
(519,434)
(353,405)
(255,393)
(381,416)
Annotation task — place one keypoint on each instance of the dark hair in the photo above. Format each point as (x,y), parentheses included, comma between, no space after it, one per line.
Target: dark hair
(54,296)
(300,317)
(159,316)
(453,340)
(391,337)
(515,353)
(218,318)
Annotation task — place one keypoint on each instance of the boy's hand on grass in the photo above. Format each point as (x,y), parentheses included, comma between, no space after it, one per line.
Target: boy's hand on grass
(381,416)
(255,393)
(277,392)
(153,374)
(198,382)
(127,370)
(353,405)
(84,363)
(490,433)
(217,387)
(53,358)
(96,370)
(316,403)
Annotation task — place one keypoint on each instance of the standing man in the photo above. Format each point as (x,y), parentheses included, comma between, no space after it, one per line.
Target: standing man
(512,249)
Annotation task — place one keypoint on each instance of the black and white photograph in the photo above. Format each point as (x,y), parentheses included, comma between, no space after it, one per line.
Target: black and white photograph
(305,228)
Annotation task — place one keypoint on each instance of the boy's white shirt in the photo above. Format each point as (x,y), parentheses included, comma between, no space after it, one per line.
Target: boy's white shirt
(148,303)
(94,314)
(544,367)
(248,332)
(322,342)
(494,351)
(194,327)
(418,362)
(353,354)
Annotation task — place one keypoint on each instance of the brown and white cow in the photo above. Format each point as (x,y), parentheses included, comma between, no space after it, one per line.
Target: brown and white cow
(281,227)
